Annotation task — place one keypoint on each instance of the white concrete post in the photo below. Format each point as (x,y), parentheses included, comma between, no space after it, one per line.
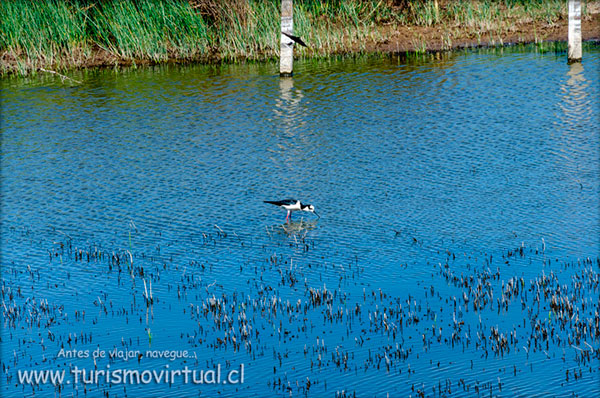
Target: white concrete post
(574,53)
(286,61)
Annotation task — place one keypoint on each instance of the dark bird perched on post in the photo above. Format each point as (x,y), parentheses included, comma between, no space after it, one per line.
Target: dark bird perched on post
(292,205)
(295,39)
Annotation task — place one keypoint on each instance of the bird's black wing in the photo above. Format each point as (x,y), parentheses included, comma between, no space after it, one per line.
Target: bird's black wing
(296,39)
(285,202)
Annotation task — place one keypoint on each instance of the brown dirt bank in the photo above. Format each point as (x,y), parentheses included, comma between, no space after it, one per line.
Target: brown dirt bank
(417,38)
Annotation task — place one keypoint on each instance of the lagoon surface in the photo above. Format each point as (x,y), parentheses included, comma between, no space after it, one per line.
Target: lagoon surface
(456,253)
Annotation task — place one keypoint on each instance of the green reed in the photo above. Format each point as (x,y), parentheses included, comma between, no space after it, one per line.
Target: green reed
(151,29)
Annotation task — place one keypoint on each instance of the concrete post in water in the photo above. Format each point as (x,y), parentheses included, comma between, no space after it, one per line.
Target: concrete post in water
(286,61)
(574,54)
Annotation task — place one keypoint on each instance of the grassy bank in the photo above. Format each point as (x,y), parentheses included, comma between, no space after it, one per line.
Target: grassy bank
(62,34)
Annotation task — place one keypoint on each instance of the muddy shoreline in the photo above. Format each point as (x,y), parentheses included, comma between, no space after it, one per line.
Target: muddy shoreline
(403,38)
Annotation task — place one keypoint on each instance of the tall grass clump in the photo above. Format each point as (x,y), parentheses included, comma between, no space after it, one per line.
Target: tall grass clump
(155,30)
(251,28)
(335,26)
(34,33)
(488,15)
(248,30)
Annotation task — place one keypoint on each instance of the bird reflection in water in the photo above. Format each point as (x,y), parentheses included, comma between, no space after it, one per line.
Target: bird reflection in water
(293,229)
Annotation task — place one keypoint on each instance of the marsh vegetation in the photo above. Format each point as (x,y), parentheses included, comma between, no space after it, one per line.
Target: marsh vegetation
(62,34)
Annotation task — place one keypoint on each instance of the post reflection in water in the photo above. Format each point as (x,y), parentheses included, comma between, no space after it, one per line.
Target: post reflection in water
(293,145)
(575,105)
(576,152)
(288,107)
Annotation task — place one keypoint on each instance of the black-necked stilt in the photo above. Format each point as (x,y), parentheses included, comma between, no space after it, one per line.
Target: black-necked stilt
(292,205)
(295,39)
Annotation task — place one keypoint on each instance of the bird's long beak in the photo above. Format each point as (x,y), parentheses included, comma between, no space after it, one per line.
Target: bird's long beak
(318,216)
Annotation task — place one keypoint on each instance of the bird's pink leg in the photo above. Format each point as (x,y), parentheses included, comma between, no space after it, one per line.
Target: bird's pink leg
(287,216)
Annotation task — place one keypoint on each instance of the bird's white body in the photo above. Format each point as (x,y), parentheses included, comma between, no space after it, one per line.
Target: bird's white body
(286,40)
(292,205)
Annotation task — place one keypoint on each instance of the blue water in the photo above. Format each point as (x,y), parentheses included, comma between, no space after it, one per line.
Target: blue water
(421,169)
